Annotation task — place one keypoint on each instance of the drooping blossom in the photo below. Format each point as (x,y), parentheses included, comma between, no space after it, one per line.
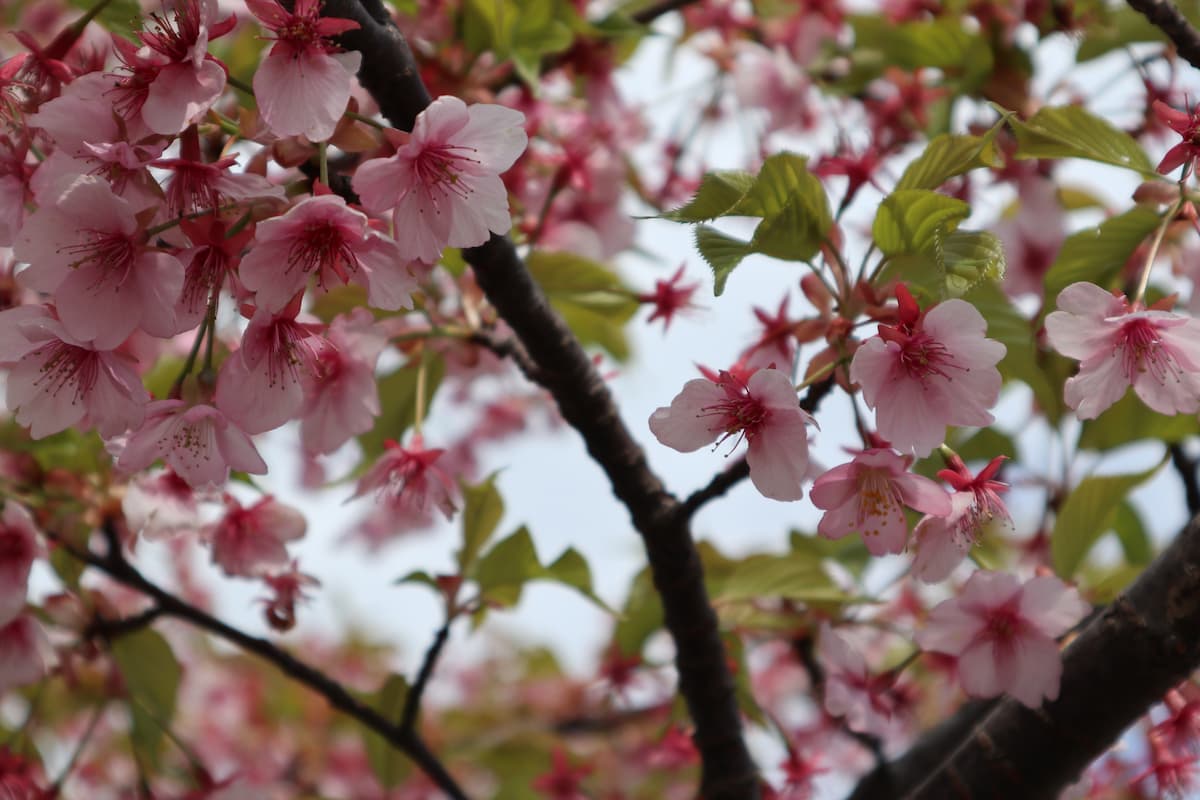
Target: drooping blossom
(942,542)
(287,589)
(304,82)
(851,692)
(251,541)
(320,236)
(260,386)
(763,410)
(1187,125)
(197,441)
(1118,345)
(932,369)
(195,185)
(341,399)
(412,476)
(55,381)
(18,548)
(564,780)
(25,652)
(867,496)
(670,297)
(444,183)
(212,258)
(89,250)
(1003,633)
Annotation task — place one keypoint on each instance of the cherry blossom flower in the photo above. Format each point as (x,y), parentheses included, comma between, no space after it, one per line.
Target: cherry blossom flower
(18,548)
(942,542)
(763,410)
(304,82)
(410,475)
(250,541)
(1119,345)
(669,298)
(287,589)
(933,369)
(55,381)
(321,236)
(867,495)
(161,505)
(1032,237)
(563,781)
(1187,125)
(864,700)
(260,386)
(213,256)
(83,115)
(1003,633)
(444,183)
(25,652)
(341,399)
(197,441)
(89,251)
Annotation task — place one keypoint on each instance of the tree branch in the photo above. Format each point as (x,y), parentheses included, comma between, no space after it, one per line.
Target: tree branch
(1185,465)
(1121,663)
(113,563)
(389,73)
(412,701)
(1166,17)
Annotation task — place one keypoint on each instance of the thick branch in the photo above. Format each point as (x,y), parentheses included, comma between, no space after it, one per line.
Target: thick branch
(565,370)
(1185,465)
(1167,18)
(403,739)
(1122,662)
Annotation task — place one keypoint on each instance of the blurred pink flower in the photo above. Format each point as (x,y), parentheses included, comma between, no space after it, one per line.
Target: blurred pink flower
(250,541)
(25,652)
(19,546)
(943,541)
(341,399)
(1003,633)
(851,691)
(198,441)
(410,475)
(1187,125)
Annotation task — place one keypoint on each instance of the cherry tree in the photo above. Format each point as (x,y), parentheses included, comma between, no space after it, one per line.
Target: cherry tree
(240,240)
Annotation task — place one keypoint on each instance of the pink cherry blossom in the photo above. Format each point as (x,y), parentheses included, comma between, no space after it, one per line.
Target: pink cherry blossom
(411,476)
(943,541)
(763,410)
(1119,345)
(670,297)
(197,441)
(304,83)
(25,652)
(18,548)
(1003,633)
(444,184)
(212,258)
(250,541)
(161,505)
(321,236)
(341,399)
(260,385)
(851,691)
(1187,125)
(55,381)
(287,589)
(83,115)
(867,495)
(89,251)
(935,368)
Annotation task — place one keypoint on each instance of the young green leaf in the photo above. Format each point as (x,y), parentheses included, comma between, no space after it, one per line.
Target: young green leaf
(1075,132)
(1089,511)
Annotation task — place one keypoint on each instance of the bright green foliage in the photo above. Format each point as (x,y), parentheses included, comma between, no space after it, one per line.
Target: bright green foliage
(523,31)
(482,509)
(123,17)
(949,155)
(1075,132)
(965,57)
(1115,26)
(591,299)
(718,193)
(1129,420)
(1098,254)
(151,676)
(1088,512)
(390,765)
(969,259)
(398,401)
(909,221)
(1131,532)
(723,253)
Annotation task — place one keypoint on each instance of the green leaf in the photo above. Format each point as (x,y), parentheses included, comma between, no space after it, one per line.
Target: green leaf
(969,258)
(504,570)
(122,17)
(589,296)
(66,566)
(641,617)
(795,576)
(1075,132)
(1128,420)
(339,300)
(524,31)
(718,192)
(950,155)
(942,43)
(151,676)
(1098,254)
(482,509)
(984,445)
(1132,534)
(723,253)
(398,402)
(784,181)
(909,221)
(390,765)
(1089,511)
(1117,28)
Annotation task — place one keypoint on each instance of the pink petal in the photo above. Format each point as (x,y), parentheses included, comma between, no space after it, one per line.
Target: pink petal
(683,426)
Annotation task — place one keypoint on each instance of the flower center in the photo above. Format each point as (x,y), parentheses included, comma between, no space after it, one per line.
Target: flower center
(65,366)
(1142,350)
(322,246)
(440,167)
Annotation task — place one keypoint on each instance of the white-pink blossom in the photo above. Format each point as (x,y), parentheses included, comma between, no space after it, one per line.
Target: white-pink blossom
(197,441)
(935,368)
(250,541)
(1119,345)
(763,410)
(943,540)
(865,701)
(341,399)
(25,652)
(867,496)
(410,477)
(1003,633)
(18,548)
(444,183)
(322,237)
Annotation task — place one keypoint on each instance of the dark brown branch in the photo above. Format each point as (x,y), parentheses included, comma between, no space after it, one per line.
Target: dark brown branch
(1122,662)
(412,701)
(1167,18)
(1185,465)
(389,73)
(113,628)
(113,563)
(651,13)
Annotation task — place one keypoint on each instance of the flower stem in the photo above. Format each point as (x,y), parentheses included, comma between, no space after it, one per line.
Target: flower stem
(419,411)
(323,160)
(78,25)
(1168,218)
(177,386)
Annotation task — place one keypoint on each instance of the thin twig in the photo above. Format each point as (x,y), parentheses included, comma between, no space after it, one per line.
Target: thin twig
(412,701)
(113,628)
(1167,18)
